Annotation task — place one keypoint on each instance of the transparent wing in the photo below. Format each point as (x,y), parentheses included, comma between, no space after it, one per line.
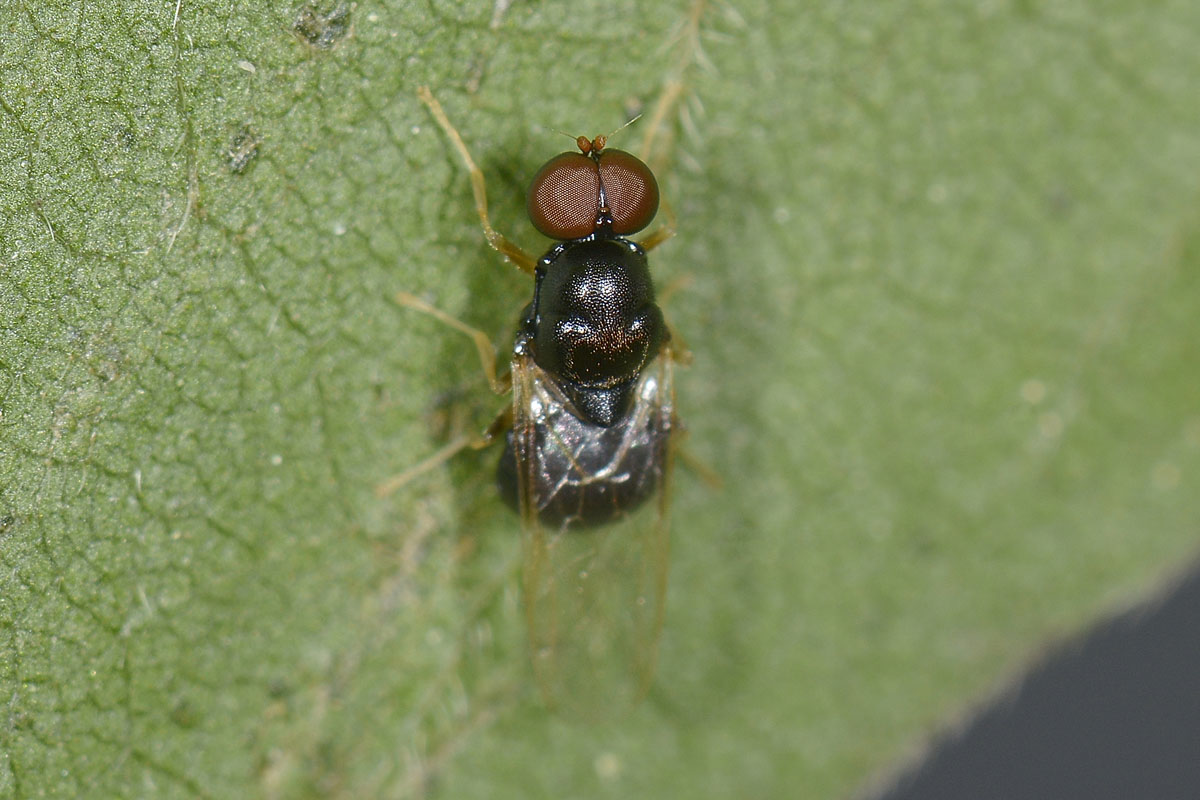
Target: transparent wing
(594,506)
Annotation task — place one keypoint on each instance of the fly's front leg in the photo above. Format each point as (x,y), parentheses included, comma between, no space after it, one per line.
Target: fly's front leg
(497,240)
(657,141)
(664,231)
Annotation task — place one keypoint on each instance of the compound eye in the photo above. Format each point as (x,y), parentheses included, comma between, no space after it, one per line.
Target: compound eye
(564,197)
(630,191)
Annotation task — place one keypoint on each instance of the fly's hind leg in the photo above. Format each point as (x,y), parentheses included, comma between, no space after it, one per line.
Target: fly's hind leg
(500,384)
(499,241)
(500,424)
(697,465)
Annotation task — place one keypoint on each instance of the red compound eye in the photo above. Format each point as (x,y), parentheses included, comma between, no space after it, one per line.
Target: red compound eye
(564,198)
(630,191)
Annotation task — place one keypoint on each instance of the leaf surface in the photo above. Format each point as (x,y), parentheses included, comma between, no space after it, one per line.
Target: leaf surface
(944,311)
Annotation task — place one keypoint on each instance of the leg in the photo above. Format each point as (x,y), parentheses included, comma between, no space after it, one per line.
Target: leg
(676,284)
(653,152)
(672,91)
(500,385)
(510,250)
(499,425)
(487,352)
(688,52)
(678,349)
(664,231)
(706,473)
(667,229)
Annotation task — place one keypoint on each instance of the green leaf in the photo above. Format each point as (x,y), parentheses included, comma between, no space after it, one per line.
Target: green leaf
(944,315)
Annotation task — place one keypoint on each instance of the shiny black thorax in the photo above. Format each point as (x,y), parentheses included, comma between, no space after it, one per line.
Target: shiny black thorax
(593,328)
(594,324)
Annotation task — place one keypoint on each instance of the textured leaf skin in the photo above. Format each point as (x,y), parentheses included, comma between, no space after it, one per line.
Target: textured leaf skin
(944,313)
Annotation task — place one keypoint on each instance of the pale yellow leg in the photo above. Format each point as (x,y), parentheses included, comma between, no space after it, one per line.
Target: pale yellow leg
(499,425)
(487,351)
(665,101)
(664,232)
(416,470)
(672,91)
(676,284)
(653,151)
(703,470)
(500,385)
(680,353)
(507,247)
